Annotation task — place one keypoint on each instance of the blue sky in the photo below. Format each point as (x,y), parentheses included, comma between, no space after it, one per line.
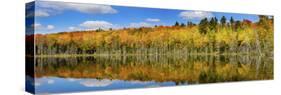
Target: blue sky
(51,17)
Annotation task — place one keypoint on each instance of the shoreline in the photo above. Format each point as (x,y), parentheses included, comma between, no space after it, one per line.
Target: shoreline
(114,55)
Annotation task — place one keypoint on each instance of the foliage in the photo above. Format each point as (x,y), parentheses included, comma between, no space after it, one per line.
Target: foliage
(207,37)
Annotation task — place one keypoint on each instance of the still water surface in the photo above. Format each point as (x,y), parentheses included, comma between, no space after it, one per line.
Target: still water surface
(72,74)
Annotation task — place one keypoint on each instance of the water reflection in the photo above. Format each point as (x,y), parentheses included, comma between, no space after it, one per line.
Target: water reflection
(96,83)
(119,72)
(43,84)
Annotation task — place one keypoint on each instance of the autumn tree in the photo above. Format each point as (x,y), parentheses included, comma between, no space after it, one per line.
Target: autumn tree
(264,22)
(185,39)
(237,25)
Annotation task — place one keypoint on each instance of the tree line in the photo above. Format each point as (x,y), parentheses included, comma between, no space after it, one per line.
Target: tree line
(209,36)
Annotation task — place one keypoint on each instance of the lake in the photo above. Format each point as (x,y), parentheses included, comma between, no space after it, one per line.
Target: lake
(94,73)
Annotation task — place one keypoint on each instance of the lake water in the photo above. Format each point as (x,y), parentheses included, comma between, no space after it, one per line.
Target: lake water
(72,74)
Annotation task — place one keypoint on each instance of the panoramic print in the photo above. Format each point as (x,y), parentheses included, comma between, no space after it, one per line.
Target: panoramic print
(73,47)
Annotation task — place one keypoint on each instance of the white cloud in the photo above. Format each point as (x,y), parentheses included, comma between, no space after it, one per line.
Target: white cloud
(139,82)
(195,14)
(50,27)
(152,20)
(72,79)
(37,83)
(96,24)
(50,81)
(45,9)
(91,8)
(41,13)
(140,24)
(96,83)
(38,26)
(72,28)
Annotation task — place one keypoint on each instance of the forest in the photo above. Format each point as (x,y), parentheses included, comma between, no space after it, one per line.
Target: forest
(210,36)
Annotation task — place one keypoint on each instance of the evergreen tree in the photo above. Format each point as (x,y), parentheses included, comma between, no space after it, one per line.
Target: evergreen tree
(190,24)
(182,25)
(99,30)
(110,29)
(177,24)
(204,26)
(223,21)
(213,24)
(231,21)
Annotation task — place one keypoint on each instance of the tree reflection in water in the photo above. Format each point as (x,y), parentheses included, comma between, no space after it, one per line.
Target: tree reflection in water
(161,68)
